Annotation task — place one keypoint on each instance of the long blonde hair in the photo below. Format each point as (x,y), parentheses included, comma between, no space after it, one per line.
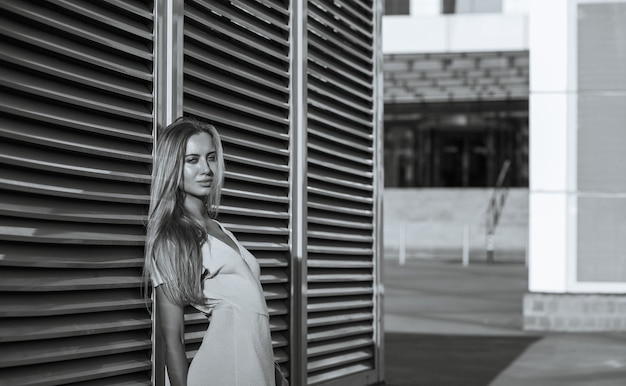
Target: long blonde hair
(174,239)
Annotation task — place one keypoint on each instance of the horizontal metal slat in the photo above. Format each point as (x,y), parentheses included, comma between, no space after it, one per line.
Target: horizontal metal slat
(344,371)
(231,50)
(63,326)
(328,107)
(70,256)
(55,350)
(338,12)
(336,276)
(335,332)
(280,356)
(333,44)
(36,133)
(321,305)
(347,357)
(220,98)
(357,141)
(278,9)
(325,74)
(256,179)
(335,318)
(263,230)
(338,73)
(340,27)
(79,28)
(132,379)
(233,118)
(77,370)
(272,261)
(326,164)
(254,212)
(275,292)
(41,231)
(235,67)
(38,280)
(328,93)
(103,15)
(73,164)
(140,9)
(335,250)
(279,340)
(278,323)
(75,97)
(215,24)
(16,304)
(339,223)
(236,157)
(323,151)
(57,45)
(363,14)
(277,308)
(271,276)
(243,89)
(31,181)
(339,236)
(66,71)
(58,209)
(327,290)
(319,119)
(276,247)
(337,209)
(254,195)
(332,347)
(345,196)
(61,115)
(253,21)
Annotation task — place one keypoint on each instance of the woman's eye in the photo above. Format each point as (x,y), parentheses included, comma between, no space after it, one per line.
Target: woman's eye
(191,160)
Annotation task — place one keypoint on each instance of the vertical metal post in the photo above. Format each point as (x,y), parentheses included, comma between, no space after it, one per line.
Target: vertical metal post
(168,78)
(379,179)
(298,208)
(169,71)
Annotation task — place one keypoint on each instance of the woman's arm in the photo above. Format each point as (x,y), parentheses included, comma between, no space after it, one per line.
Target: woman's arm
(171,319)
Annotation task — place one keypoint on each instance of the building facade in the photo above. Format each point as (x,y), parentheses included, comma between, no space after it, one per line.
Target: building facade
(456,92)
(542,84)
(577,222)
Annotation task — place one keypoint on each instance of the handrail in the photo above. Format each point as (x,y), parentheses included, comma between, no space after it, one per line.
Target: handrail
(495,207)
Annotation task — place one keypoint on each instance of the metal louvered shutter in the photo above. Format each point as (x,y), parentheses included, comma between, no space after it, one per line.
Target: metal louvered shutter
(342,334)
(76,120)
(236,75)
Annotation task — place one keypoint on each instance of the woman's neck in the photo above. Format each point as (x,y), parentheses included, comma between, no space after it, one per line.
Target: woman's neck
(196,208)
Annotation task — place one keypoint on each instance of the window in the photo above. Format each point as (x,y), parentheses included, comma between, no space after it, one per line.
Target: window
(471,6)
(397,7)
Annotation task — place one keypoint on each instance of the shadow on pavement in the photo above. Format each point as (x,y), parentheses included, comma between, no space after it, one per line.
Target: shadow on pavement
(433,360)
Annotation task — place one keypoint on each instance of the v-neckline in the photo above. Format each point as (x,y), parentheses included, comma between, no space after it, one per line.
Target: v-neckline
(236,249)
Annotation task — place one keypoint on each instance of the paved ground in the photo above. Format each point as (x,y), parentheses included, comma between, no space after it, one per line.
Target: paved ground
(446,324)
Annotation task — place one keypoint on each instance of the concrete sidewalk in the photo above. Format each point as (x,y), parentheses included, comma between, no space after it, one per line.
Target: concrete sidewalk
(446,324)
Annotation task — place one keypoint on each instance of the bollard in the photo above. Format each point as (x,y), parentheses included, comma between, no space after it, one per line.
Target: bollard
(465,245)
(490,248)
(402,246)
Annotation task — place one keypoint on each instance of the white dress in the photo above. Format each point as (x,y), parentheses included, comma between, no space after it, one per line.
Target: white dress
(237,347)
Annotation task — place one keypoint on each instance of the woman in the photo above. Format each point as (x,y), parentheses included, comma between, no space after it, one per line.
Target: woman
(192,259)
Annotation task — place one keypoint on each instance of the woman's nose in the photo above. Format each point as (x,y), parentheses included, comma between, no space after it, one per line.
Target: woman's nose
(206,167)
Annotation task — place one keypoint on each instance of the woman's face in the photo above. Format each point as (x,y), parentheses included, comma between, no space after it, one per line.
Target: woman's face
(199,165)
